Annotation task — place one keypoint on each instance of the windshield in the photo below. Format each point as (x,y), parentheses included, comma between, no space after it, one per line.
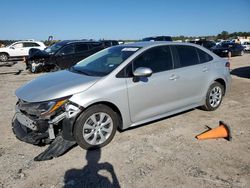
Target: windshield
(52,49)
(105,61)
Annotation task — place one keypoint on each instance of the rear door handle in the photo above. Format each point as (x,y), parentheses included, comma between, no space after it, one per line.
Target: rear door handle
(174,77)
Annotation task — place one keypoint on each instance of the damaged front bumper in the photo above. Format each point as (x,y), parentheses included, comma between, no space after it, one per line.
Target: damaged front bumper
(56,130)
(40,65)
(51,126)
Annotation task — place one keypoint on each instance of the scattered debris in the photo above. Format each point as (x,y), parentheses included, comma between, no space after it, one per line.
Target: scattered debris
(20,174)
(57,148)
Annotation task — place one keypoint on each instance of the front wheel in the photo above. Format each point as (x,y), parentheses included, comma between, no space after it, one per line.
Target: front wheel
(96,127)
(33,68)
(3,57)
(214,97)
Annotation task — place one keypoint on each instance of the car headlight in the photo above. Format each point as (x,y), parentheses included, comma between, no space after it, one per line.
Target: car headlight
(41,108)
(225,51)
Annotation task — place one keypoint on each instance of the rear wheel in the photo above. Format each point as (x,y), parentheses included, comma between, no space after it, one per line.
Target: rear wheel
(214,97)
(96,127)
(4,57)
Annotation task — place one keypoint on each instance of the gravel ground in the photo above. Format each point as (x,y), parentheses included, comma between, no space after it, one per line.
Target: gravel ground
(161,154)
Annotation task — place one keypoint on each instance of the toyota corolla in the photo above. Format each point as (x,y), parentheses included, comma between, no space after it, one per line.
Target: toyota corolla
(117,88)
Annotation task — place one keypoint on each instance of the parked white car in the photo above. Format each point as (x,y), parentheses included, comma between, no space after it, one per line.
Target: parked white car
(20,49)
(246,46)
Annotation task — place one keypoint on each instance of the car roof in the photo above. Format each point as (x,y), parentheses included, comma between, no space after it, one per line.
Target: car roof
(107,40)
(77,41)
(143,44)
(27,41)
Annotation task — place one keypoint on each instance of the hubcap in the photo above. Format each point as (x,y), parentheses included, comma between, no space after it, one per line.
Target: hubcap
(215,96)
(97,128)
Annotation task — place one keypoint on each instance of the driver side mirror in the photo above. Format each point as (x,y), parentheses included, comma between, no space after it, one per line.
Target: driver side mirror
(12,47)
(143,72)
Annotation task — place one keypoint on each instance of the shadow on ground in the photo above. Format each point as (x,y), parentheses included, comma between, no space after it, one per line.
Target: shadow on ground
(243,72)
(7,64)
(158,120)
(90,175)
(12,72)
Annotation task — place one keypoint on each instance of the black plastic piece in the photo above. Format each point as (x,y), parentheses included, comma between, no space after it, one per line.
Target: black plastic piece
(67,129)
(57,148)
(27,135)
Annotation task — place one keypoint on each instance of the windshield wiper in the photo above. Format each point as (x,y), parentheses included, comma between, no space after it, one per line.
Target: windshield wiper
(79,71)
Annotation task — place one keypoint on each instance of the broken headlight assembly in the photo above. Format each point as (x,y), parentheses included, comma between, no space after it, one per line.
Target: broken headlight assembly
(41,109)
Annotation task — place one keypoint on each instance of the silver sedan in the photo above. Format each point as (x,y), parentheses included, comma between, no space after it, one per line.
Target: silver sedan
(121,87)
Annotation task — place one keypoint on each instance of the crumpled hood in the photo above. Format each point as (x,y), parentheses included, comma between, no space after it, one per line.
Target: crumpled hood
(39,54)
(55,85)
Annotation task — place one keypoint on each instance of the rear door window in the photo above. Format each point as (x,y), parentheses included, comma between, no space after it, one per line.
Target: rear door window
(187,56)
(69,49)
(158,59)
(114,43)
(30,44)
(107,43)
(203,56)
(96,45)
(81,47)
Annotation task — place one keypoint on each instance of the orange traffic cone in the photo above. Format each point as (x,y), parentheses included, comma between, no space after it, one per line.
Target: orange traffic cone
(222,131)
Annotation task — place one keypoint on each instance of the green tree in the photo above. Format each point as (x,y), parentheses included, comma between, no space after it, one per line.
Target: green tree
(224,35)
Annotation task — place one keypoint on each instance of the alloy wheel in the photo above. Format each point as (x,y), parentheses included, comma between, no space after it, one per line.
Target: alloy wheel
(97,128)
(215,96)
(3,57)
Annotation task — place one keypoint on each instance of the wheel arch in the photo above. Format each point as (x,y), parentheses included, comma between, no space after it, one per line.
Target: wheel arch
(112,106)
(223,83)
(5,53)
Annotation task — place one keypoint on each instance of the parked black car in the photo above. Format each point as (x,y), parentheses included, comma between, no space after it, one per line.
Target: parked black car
(224,48)
(158,38)
(61,55)
(205,43)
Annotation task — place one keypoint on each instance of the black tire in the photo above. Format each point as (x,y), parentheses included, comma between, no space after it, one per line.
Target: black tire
(84,119)
(33,69)
(4,57)
(211,107)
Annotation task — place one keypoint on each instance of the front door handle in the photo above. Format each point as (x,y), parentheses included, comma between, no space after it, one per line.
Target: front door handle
(204,69)
(174,77)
